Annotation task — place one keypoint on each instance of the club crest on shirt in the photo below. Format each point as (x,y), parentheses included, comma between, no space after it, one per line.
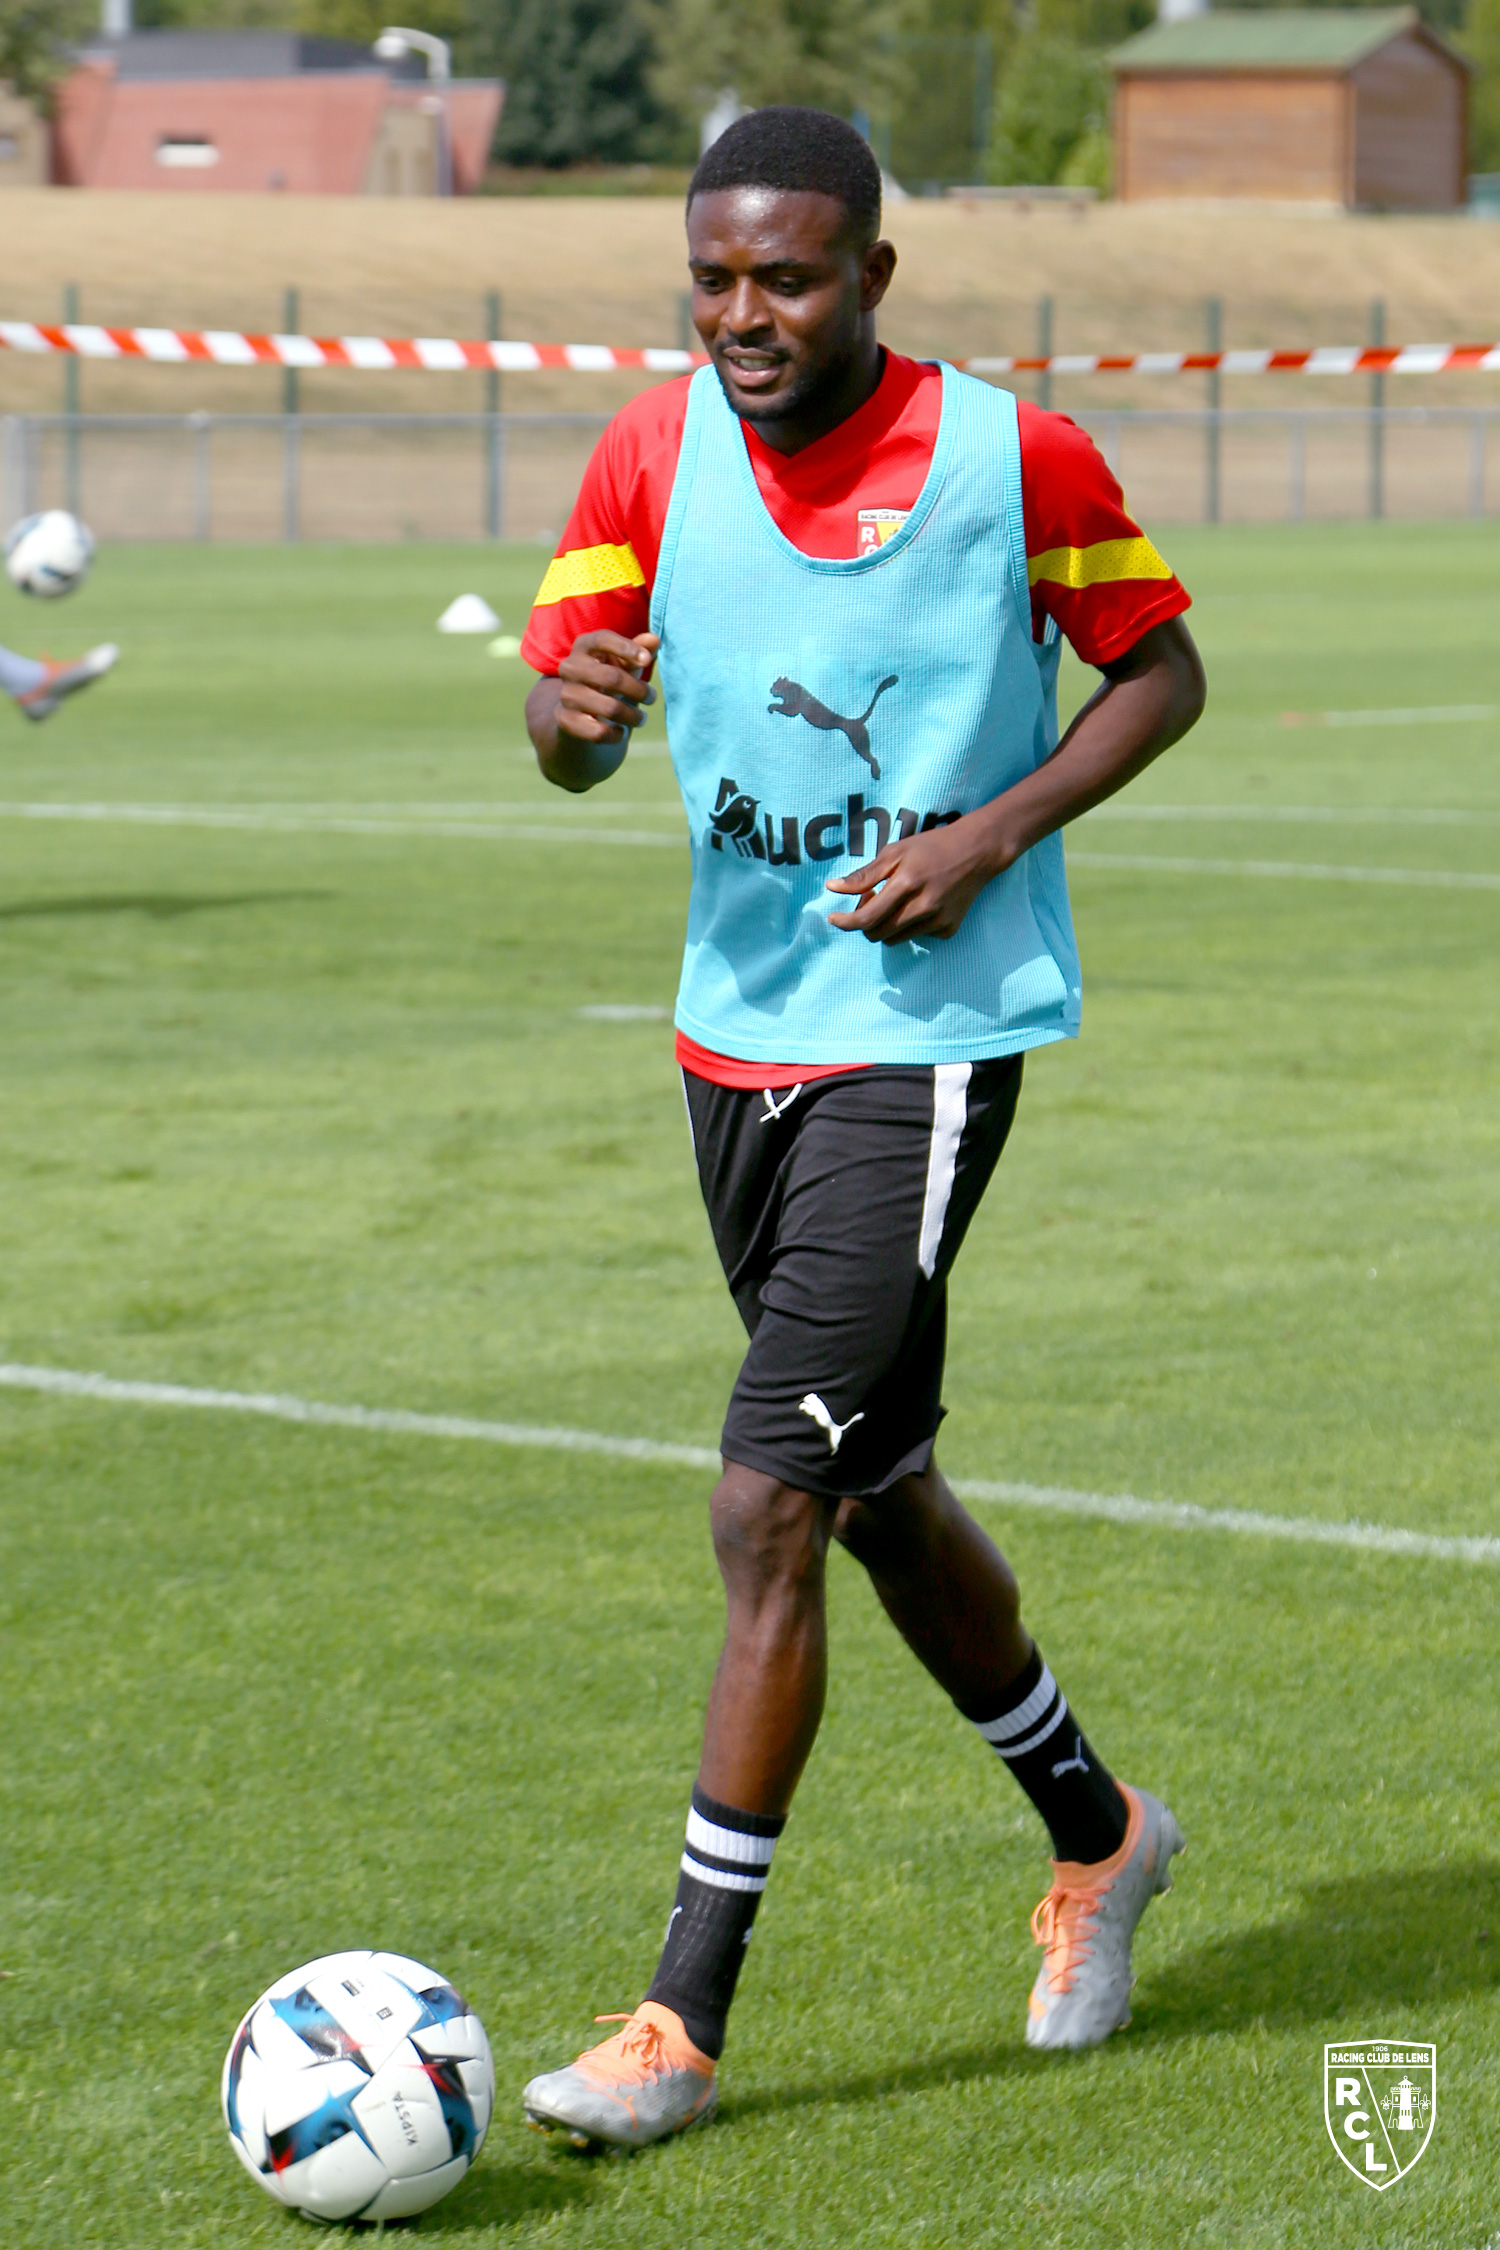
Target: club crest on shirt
(876,525)
(1380,2105)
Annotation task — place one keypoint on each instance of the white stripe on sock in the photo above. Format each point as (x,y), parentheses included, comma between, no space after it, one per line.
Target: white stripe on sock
(950,1110)
(728,1843)
(1025,1714)
(1019,1749)
(719,1877)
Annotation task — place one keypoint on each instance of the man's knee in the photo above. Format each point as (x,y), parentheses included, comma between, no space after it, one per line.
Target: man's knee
(900,1532)
(767,1534)
(895,1527)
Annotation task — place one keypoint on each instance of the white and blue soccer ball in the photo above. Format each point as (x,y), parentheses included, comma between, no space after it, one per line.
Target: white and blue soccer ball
(359,2087)
(48,554)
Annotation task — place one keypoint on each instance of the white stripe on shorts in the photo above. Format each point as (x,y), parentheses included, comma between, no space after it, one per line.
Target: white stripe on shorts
(728,1843)
(950,1112)
(720,1877)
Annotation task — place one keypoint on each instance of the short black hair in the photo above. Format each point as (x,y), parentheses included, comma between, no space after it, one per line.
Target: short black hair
(797,150)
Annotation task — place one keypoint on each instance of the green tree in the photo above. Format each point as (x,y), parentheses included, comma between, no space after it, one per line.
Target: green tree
(35,36)
(1482,45)
(1052,110)
(1053,94)
(218,15)
(832,54)
(361,20)
(364,20)
(1443,15)
(578,87)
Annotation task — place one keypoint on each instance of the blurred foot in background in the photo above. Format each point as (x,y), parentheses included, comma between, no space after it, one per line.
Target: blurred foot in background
(36,685)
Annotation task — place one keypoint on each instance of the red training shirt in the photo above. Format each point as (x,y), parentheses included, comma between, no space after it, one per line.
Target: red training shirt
(1090,566)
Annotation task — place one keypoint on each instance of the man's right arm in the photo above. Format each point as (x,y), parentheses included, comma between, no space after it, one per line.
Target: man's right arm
(587,635)
(581,717)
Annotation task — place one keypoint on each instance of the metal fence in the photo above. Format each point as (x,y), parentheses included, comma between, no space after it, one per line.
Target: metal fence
(373,477)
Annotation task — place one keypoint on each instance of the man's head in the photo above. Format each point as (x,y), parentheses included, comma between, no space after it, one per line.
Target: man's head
(782,217)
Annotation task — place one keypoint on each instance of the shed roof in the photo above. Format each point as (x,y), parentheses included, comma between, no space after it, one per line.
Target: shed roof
(1324,39)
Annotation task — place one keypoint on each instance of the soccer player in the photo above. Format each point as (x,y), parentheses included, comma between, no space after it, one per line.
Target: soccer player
(853,569)
(36,685)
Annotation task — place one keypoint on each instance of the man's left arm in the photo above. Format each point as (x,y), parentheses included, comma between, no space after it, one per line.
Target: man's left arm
(922,886)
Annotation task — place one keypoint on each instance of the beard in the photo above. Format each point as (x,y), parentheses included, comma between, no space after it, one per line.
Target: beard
(800,397)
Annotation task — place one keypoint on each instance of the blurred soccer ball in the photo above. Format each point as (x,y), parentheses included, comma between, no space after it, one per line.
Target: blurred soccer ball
(359,2087)
(49,554)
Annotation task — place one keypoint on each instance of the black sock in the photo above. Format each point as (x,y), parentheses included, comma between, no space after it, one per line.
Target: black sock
(724,1871)
(1047,1751)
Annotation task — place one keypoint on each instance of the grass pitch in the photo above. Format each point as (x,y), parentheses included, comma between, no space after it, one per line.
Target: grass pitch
(310,1107)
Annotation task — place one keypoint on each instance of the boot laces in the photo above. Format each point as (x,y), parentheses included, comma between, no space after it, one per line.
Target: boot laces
(642,2042)
(1060,1924)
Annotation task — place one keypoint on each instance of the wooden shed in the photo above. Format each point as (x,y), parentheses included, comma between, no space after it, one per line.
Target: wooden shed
(1366,107)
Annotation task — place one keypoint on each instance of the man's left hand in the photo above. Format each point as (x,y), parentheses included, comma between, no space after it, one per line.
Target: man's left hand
(921,886)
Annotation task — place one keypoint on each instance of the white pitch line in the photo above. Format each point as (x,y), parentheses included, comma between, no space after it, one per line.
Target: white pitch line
(244,817)
(1443,714)
(488,808)
(1183,1515)
(1120,1507)
(622,1011)
(1395,816)
(1434,878)
(491,810)
(276,1406)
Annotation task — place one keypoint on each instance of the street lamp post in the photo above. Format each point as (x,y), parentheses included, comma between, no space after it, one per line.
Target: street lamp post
(398,40)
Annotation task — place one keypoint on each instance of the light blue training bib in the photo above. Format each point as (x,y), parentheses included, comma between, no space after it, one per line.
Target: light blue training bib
(816,708)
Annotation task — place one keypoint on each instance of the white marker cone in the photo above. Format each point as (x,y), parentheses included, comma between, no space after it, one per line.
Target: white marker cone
(471,613)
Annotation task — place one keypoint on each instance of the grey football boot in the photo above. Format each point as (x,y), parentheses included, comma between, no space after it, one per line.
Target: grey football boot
(1086,1922)
(66,679)
(642,2085)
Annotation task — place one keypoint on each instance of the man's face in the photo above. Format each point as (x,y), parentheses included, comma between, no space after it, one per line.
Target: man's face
(781,294)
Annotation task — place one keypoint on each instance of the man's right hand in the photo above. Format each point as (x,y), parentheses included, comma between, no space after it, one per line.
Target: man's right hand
(581,719)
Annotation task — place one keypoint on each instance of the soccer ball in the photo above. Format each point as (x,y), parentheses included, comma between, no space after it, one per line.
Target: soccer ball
(359,2087)
(49,554)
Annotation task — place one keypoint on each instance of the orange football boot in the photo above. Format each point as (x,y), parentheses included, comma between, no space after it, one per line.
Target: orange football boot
(1086,1923)
(644,2083)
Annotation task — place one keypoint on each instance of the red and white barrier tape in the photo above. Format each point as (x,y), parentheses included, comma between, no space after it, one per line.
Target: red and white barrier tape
(1327,359)
(439,355)
(445,355)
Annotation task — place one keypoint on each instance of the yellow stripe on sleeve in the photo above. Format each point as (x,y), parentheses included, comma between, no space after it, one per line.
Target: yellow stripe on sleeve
(1102,565)
(588,570)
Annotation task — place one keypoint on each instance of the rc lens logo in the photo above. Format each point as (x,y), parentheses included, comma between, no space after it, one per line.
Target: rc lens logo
(1380,2105)
(876,525)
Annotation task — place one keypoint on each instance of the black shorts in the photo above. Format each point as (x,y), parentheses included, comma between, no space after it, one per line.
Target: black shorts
(837,1209)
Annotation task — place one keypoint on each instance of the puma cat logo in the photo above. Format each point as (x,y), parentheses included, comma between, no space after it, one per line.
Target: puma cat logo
(812,1406)
(797,702)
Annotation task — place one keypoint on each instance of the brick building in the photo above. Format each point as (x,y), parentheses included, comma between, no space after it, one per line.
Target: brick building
(188,111)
